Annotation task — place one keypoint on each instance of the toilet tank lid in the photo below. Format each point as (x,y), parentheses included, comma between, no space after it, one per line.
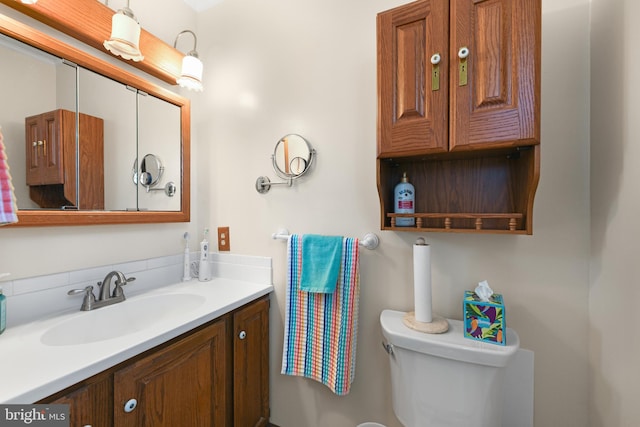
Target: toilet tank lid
(451,344)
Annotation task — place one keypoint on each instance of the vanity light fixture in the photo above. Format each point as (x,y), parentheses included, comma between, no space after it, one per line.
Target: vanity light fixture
(191,75)
(125,35)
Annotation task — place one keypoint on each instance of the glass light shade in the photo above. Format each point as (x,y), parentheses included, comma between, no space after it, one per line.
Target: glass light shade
(125,37)
(29,1)
(191,75)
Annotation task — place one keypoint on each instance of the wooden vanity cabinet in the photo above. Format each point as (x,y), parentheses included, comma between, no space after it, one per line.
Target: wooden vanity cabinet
(251,365)
(459,111)
(90,401)
(51,160)
(216,375)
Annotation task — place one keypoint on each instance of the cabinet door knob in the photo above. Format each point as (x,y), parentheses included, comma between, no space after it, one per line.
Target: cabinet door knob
(463,52)
(130,405)
(242,335)
(435,58)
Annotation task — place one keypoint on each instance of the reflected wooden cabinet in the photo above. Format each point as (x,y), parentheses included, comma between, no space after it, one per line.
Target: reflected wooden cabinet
(51,163)
(216,375)
(459,112)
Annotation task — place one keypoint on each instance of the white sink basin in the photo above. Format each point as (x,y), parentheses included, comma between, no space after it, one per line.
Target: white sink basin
(120,319)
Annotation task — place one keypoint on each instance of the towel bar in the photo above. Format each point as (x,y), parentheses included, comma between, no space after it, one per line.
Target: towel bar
(370,240)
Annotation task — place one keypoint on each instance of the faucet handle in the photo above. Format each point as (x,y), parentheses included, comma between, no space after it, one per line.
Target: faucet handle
(117,290)
(89,298)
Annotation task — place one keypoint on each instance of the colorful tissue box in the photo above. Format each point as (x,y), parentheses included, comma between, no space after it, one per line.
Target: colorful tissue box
(484,321)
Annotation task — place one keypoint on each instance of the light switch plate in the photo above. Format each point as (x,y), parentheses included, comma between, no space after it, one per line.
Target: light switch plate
(223,239)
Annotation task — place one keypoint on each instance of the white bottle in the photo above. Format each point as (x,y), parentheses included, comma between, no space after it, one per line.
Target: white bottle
(404,201)
(204,267)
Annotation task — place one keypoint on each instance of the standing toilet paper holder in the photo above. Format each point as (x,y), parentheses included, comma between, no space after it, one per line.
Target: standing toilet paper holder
(422,319)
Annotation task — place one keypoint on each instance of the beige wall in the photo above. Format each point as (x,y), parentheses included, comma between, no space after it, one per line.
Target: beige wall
(614,348)
(285,66)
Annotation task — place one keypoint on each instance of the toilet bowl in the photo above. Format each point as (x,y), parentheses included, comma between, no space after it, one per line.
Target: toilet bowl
(445,380)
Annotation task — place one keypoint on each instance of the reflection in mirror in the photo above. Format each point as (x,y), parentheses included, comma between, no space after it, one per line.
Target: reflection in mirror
(158,130)
(119,134)
(151,170)
(37,83)
(120,116)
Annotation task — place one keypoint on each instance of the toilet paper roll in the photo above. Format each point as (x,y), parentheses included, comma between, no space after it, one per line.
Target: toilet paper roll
(422,282)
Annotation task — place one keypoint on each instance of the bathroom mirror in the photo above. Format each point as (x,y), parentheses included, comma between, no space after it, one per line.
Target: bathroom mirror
(44,74)
(291,158)
(151,170)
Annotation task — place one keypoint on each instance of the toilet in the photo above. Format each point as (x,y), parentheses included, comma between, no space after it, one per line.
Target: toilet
(446,380)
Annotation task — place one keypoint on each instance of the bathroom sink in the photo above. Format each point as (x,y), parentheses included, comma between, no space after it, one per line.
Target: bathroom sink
(120,319)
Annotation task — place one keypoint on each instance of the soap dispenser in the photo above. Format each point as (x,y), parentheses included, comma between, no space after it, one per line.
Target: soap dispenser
(404,201)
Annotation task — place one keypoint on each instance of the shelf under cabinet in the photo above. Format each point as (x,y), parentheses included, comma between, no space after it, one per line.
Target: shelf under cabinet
(461,222)
(489,191)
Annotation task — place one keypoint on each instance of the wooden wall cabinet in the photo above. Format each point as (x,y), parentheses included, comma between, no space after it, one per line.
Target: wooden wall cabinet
(459,111)
(216,375)
(51,160)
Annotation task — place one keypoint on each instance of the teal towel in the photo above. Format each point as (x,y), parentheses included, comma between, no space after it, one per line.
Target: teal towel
(321,256)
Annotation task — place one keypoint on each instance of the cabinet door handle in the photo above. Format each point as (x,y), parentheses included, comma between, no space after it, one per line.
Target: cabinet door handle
(130,405)
(463,53)
(242,335)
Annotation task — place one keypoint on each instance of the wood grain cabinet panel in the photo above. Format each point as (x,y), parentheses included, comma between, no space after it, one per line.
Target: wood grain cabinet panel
(50,147)
(214,376)
(178,385)
(459,112)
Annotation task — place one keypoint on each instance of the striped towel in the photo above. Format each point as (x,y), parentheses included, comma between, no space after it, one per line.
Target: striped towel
(8,208)
(321,329)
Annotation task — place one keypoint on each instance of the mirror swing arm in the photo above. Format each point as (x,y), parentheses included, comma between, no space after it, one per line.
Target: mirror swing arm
(289,170)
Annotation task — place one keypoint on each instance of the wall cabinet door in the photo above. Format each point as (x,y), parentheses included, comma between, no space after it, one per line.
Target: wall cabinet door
(466,65)
(500,103)
(251,365)
(413,113)
(181,385)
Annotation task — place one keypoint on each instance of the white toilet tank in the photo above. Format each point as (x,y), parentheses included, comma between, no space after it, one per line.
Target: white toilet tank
(445,380)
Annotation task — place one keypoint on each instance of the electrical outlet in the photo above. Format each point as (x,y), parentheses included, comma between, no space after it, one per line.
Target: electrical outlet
(223,239)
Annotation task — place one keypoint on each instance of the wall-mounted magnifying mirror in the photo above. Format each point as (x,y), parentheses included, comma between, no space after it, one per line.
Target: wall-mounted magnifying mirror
(150,173)
(291,158)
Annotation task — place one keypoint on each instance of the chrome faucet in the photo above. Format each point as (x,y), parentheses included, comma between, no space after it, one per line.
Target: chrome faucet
(106,296)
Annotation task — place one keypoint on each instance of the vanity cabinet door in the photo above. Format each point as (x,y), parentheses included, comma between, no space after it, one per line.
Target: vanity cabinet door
(183,384)
(90,402)
(251,365)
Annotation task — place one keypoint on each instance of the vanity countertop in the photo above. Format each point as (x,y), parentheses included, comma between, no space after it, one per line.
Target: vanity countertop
(32,370)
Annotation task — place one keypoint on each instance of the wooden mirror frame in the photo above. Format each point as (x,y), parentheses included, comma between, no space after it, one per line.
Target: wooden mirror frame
(28,35)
